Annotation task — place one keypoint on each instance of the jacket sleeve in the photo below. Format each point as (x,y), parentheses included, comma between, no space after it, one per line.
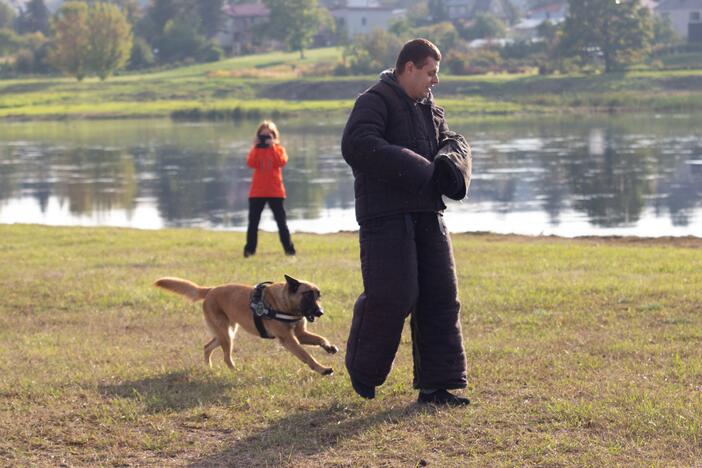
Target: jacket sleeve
(251,159)
(456,158)
(365,149)
(281,156)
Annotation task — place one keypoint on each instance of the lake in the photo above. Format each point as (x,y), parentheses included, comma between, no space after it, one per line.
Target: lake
(565,175)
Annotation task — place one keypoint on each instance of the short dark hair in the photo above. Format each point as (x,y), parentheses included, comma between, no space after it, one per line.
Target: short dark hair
(416,51)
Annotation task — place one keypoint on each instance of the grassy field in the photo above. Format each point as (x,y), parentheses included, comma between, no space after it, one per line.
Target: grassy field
(282,83)
(580,352)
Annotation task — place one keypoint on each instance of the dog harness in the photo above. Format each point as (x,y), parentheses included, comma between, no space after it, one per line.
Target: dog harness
(260,311)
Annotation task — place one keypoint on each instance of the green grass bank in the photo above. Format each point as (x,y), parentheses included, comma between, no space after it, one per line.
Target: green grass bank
(580,352)
(280,83)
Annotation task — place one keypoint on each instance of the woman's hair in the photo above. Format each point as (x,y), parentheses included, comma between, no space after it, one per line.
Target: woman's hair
(269,125)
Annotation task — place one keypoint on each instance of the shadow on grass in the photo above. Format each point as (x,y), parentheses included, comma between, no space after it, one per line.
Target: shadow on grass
(174,391)
(303,434)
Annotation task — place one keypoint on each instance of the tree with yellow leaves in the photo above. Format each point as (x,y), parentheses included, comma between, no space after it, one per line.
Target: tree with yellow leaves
(90,40)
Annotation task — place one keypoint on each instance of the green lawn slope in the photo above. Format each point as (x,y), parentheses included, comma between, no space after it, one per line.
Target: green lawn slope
(283,84)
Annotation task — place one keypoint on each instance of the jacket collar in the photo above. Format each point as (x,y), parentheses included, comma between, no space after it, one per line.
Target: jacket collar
(388,77)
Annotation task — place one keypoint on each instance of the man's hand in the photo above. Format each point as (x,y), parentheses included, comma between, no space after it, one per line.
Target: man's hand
(448,178)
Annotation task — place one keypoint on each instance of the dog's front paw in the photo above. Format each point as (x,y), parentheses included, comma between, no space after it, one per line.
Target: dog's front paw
(331,349)
(328,371)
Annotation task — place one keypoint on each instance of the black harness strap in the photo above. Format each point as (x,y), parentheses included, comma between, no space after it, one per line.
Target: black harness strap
(260,311)
(261,329)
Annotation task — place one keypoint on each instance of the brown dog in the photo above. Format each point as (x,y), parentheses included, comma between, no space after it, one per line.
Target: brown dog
(228,306)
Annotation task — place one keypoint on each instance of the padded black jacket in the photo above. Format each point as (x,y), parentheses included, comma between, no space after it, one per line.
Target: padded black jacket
(394,145)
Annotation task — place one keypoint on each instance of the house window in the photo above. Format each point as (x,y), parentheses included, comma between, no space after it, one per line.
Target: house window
(694,17)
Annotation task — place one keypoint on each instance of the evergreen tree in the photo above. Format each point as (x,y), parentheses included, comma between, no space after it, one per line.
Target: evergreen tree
(211,17)
(34,18)
(619,30)
(161,12)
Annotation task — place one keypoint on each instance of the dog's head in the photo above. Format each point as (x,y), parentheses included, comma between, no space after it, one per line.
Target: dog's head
(304,296)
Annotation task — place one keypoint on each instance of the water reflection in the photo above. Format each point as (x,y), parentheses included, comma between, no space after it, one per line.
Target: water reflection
(636,175)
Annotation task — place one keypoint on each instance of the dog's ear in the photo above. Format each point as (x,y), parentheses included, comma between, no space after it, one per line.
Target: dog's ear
(293,284)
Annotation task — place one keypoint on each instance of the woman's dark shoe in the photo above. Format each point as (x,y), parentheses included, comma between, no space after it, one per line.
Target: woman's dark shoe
(248,253)
(442,397)
(290,252)
(366,391)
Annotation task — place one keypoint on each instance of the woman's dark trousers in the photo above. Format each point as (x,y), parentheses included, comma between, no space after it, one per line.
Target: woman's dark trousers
(408,268)
(256,206)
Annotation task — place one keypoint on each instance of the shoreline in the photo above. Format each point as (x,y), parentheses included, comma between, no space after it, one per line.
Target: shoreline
(685,241)
(202,93)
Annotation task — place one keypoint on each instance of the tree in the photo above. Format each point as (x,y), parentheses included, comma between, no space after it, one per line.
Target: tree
(663,32)
(141,55)
(9,41)
(372,53)
(295,22)
(71,39)
(211,17)
(111,39)
(437,11)
(34,18)
(485,26)
(90,39)
(618,30)
(180,39)
(161,12)
(7,16)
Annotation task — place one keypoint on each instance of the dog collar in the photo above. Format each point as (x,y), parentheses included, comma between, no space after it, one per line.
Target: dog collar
(260,311)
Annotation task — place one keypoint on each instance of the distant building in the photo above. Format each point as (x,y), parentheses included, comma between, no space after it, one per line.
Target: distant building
(363,16)
(527,28)
(554,12)
(650,4)
(238,33)
(685,16)
(468,9)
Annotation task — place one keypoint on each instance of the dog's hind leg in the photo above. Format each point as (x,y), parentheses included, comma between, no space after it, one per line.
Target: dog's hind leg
(226,341)
(209,348)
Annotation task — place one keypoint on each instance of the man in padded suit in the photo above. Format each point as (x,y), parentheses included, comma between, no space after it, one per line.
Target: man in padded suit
(404,158)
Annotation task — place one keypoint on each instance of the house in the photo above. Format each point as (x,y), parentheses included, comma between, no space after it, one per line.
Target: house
(468,9)
(554,12)
(685,16)
(363,16)
(238,34)
(527,28)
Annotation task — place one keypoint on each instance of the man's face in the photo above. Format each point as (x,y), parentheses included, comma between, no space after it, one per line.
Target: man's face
(417,82)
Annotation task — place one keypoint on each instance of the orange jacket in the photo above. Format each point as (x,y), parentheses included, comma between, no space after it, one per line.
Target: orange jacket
(267,164)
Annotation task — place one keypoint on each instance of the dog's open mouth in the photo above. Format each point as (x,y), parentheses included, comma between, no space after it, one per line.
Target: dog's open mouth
(312,314)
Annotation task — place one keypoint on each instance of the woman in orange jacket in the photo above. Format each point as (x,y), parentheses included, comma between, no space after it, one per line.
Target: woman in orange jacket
(267,158)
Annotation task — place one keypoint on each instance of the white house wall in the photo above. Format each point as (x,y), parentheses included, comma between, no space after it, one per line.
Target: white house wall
(364,22)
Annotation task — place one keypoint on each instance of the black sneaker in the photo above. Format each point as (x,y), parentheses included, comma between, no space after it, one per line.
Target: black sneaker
(442,397)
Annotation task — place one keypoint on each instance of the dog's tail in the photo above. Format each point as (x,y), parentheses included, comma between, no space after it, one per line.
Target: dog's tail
(183,287)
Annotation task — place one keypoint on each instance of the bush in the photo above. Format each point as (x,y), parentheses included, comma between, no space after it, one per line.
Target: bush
(141,56)
(474,61)
(370,54)
(210,52)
